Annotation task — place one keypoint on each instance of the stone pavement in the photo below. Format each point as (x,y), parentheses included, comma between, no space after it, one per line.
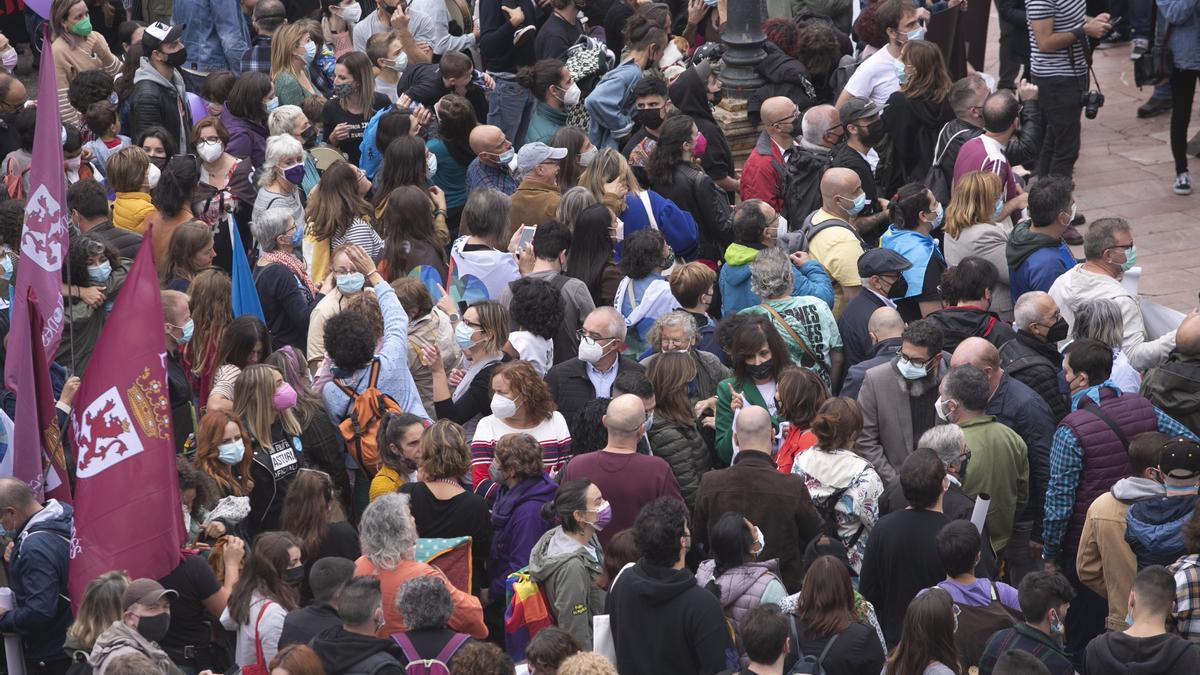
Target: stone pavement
(1125,169)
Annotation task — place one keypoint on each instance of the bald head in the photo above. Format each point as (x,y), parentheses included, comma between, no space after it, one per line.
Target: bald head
(978,352)
(1187,336)
(489,142)
(885,323)
(777,108)
(17,503)
(839,187)
(753,429)
(818,126)
(625,417)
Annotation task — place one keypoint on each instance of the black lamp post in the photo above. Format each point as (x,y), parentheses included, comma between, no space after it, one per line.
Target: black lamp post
(743,39)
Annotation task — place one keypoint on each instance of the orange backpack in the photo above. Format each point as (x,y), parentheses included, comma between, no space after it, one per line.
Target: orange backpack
(360,428)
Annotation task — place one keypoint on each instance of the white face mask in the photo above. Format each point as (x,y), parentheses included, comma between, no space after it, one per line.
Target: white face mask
(503,406)
(152,176)
(350,13)
(571,95)
(210,151)
(590,351)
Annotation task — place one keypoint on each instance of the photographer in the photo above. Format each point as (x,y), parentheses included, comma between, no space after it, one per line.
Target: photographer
(1058,61)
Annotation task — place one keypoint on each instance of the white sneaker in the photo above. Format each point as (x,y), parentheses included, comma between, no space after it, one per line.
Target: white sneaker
(1183,184)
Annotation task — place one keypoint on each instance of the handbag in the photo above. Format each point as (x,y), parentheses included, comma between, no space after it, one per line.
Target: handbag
(799,340)
(259,667)
(1154,67)
(602,638)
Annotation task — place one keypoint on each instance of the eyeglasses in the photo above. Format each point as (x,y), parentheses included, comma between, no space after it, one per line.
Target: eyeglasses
(591,339)
(916,362)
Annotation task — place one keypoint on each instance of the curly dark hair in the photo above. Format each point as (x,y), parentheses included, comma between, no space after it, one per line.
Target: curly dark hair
(642,254)
(349,341)
(191,478)
(81,249)
(817,47)
(536,306)
(12,217)
(589,434)
(88,87)
(177,185)
(658,529)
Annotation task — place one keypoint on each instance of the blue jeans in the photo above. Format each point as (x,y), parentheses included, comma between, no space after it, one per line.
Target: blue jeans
(507,106)
(1140,14)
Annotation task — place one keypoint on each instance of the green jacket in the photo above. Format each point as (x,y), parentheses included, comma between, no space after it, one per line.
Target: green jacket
(1174,387)
(725,415)
(999,467)
(289,91)
(543,122)
(567,572)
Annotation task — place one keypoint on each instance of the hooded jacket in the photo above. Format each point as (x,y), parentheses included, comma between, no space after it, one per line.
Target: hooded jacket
(1034,260)
(913,125)
(157,101)
(664,624)
(37,574)
(689,93)
(801,183)
(343,653)
(1174,387)
(517,525)
(736,294)
(1152,529)
(1116,653)
(785,76)
(120,639)
(567,570)
(963,321)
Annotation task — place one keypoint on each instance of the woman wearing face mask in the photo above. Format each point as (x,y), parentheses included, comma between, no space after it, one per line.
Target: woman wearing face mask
(354,103)
(267,590)
(221,454)
(76,48)
(554,91)
(308,515)
(399,450)
(673,175)
(244,342)
(644,294)
(915,213)
(292,51)
(1101,320)
(131,177)
(580,155)
(91,263)
(521,403)
(915,114)
(338,18)
(974,228)
(288,294)
(348,283)
(223,187)
(279,182)
(591,253)
(264,401)
(159,145)
(695,93)
(567,559)
(338,215)
(481,334)
(734,573)
(516,516)
(676,331)
(844,487)
(452,152)
(671,428)
(758,355)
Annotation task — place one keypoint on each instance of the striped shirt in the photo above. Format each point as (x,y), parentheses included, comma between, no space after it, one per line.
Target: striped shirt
(360,233)
(551,433)
(1068,15)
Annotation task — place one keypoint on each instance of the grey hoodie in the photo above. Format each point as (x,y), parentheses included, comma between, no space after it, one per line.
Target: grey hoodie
(1134,489)
(567,570)
(146,71)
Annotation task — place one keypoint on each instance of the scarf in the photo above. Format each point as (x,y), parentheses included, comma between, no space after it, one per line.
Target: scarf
(469,377)
(292,263)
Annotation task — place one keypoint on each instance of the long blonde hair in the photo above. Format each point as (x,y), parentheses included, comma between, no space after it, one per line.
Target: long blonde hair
(253,402)
(973,201)
(286,39)
(101,606)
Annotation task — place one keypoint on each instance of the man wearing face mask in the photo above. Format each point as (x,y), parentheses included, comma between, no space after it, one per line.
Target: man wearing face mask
(883,330)
(1045,598)
(536,199)
(986,152)
(811,154)
(1037,251)
(159,96)
(495,164)
(829,236)
(1110,252)
(897,399)
(37,575)
(353,646)
(876,78)
(864,129)
(592,373)
(1178,472)
(880,270)
(608,106)
(177,318)
(999,457)
(1032,356)
(652,102)
(13,96)
(762,174)
(146,617)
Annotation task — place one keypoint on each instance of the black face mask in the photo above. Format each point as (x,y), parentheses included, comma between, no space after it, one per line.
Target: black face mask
(875,133)
(160,162)
(762,371)
(294,576)
(176,59)
(962,470)
(898,289)
(650,118)
(154,628)
(1057,332)
(716,97)
(309,137)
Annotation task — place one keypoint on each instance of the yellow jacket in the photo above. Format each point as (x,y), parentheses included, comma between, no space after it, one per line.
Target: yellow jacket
(131,210)
(386,481)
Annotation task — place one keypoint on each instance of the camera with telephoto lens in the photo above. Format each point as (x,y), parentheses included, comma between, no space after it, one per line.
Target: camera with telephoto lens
(1092,101)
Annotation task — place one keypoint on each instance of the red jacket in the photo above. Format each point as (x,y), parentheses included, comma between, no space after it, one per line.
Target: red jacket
(762,173)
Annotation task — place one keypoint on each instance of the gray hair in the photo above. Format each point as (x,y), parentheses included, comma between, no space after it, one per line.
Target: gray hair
(676,319)
(947,440)
(771,274)
(387,533)
(616,320)
(1026,310)
(279,148)
(1101,236)
(817,122)
(269,224)
(485,215)
(284,120)
(424,603)
(1099,319)
(573,202)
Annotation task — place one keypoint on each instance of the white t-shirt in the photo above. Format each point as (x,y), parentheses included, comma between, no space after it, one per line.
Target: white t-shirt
(535,349)
(875,78)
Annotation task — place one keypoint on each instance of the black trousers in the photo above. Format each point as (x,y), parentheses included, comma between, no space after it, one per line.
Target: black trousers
(1060,102)
(1183,90)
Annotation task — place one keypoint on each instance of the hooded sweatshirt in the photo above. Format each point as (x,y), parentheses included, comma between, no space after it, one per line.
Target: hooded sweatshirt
(147,72)
(341,651)
(1152,528)
(567,570)
(37,575)
(664,624)
(736,294)
(963,321)
(689,93)
(1116,653)
(1034,260)
(517,525)
(119,639)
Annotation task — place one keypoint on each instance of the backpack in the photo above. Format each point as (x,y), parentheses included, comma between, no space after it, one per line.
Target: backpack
(937,180)
(435,666)
(365,411)
(808,664)
(976,625)
(801,190)
(827,507)
(801,239)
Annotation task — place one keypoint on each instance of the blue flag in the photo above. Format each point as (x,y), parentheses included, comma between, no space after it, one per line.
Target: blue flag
(245,295)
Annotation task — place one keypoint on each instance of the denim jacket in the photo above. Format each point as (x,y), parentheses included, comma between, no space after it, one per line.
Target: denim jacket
(215,34)
(610,105)
(1185,31)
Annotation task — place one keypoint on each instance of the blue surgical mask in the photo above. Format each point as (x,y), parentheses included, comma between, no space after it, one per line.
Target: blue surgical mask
(937,221)
(1130,258)
(6,263)
(187,329)
(310,51)
(350,283)
(232,452)
(506,157)
(649,422)
(900,74)
(860,203)
(97,273)
(909,370)
(917,33)
(272,104)
(430,166)
(999,207)
(464,335)
(297,237)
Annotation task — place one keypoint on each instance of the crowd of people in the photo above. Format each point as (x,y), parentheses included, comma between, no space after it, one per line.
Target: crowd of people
(546,379)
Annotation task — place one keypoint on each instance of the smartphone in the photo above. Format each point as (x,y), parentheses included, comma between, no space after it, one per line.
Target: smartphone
(526,238)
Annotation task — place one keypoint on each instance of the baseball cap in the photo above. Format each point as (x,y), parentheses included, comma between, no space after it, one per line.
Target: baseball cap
(145,592)
(159,33)
(532,154)
(1179,458)
(881,261)
(857,108)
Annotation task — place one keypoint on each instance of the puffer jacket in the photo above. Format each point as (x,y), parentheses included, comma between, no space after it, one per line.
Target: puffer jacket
(130,210)
(694,191)
(1152,529)
(802,180)
(742,587)
(685,450)
(1174,387)
(567,571)
(963,321)
(734,280)
(1036,364)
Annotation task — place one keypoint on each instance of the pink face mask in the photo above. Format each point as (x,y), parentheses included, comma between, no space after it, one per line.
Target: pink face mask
(700,145)
(285,397)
